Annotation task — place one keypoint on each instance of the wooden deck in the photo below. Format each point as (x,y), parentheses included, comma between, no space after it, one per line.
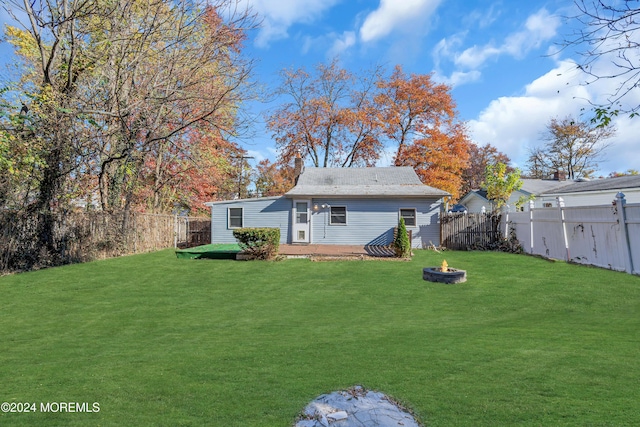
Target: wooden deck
(335,250)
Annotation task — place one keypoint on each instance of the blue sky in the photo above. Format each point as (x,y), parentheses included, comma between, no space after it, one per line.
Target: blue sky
(500,58)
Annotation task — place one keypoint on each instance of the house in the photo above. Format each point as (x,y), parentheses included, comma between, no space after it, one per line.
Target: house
(595,192)
(339,206)
(476,200)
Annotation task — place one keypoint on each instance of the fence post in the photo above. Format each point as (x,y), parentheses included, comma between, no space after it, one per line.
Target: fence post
(531,207)
(621,204)
(506,221)
(175,230)
(564,227)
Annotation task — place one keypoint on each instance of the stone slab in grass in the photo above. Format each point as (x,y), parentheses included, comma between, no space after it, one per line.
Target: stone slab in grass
(355,407)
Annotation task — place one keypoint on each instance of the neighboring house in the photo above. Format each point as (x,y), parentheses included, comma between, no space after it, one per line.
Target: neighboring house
(476,200)
(593,193)
(339,206)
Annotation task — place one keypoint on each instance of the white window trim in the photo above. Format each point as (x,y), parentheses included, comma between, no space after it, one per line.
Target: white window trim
(298,213)
(229,226)
(346,216)
(415,216)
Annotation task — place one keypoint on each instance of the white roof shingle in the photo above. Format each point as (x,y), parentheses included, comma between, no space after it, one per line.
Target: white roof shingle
(363,182)
(538,186)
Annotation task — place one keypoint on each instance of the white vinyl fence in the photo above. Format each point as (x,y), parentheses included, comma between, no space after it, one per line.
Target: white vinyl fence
(602,236)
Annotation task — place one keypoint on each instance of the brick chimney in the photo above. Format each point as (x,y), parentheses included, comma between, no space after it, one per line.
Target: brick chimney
(559,176)
(298,167)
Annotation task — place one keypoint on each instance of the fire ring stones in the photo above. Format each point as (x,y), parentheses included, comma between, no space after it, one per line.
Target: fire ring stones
(450,276)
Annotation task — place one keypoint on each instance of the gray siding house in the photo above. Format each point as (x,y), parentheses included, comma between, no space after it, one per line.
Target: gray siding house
(597,192)
(476,200)
(339,206)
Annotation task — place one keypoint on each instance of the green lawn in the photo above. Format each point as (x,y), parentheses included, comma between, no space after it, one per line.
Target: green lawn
(156,340)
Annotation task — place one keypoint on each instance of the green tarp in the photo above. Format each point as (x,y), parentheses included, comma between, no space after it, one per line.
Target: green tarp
(215,251)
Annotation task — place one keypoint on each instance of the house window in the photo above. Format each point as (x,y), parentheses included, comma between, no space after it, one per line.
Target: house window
(301,213)
(338,215)
(235,218)
(547,205)
(409,216)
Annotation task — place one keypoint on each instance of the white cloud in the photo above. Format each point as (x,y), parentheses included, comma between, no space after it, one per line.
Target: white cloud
(387,156)
(475,56)
(258,156)
(279,15)
(539,27)
(393,14)
(515,124)
(458,78)
(338,44)
(446,47)
(617,84)
(624,153)
(483,18)
(342,43)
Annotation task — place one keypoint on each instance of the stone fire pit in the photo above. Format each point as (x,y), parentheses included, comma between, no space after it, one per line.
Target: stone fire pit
(444,274)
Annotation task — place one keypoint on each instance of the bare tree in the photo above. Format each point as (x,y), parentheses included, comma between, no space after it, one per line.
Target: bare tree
(572,147)
(609,30)
(330,117)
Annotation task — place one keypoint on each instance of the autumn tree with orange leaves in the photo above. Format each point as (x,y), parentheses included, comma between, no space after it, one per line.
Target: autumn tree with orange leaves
(336,118)
(329,118)
(199,167)
(114,92)
(572,147)
(420,120)
(272,179)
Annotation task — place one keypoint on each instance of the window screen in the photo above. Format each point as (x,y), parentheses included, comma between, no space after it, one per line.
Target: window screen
(235,217)
(409,216)
(338,215)
(301,213)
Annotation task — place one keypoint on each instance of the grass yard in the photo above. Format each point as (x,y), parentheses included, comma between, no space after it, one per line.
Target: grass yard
(156,340)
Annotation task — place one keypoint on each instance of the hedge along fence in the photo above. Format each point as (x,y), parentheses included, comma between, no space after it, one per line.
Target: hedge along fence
(86,236)
(258,243)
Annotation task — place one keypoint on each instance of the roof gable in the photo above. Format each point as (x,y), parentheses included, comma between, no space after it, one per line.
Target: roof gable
(362,182)
(480,194)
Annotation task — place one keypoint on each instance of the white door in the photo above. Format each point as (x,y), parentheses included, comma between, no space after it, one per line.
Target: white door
(301,221)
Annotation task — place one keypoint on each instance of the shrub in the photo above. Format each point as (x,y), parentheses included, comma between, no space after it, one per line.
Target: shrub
(510,244)
(258,243)
(401,244)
